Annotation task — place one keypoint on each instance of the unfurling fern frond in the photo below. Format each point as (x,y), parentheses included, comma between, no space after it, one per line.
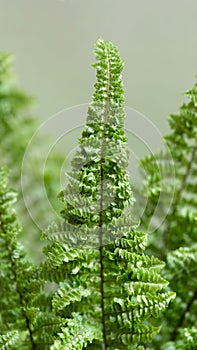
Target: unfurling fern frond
(108,287)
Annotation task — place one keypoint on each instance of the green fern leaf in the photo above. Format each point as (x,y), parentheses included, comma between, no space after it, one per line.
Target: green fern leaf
(9,340)
(97,255)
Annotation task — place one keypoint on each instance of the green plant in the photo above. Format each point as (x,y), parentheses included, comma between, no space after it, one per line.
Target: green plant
(175,239)
(26,320)
(108,288)
(97,289)
(16,130)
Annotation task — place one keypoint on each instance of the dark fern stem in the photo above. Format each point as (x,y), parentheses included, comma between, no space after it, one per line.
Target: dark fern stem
(103,145)
(21,297)
(183,315)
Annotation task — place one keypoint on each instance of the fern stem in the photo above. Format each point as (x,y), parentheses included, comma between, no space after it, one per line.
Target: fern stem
(27,322)
(102,292)
(178,197)
(101,205)
(33,345)
(183,315)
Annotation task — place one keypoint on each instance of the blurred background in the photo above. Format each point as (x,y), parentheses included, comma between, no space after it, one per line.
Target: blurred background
(53,41)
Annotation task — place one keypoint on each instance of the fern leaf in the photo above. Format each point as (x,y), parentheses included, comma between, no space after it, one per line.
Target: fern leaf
(8,340)
(66,295)
(78,334)
(17,127)
(97,255)
(172,195)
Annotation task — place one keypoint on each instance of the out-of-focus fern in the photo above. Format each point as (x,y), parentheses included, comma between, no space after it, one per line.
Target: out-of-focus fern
(16,129)
(110,293)
(187,341)
(181,190)
(175,238)
(182,269)
(25,309)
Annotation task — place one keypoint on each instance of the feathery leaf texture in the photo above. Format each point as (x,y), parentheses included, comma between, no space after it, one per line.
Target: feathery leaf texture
(187,341)
(97,254)
(175,197)
(24,307)
(8,340)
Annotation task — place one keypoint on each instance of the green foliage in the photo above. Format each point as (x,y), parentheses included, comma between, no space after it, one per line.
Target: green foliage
(16,129)
(102,290)
(182,145)
(175,198)
(80,332)
(187,341)
(25,309)
(97,255)
(8,340)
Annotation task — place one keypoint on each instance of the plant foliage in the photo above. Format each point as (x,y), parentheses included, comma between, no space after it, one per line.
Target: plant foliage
(175,239)
(109,289)
(17,127)
(97,288)
(26,320)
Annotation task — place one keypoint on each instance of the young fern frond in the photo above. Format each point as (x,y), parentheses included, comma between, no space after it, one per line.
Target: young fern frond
(97,254)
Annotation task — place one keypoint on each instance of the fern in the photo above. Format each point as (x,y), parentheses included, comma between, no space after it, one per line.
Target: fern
(184,262)
(79,333)
(16,129)
(187,341)
(175,238)
(25,308)
(8,340)
(96,255)
(102,290)
(182,202)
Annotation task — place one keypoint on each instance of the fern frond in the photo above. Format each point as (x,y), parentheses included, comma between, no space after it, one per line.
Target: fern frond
(182,262)
(175,193)
(173,196)
(66,295)
(97,255)
(24,307)
(17,128)
(187,341)
(78,334)
(9,340)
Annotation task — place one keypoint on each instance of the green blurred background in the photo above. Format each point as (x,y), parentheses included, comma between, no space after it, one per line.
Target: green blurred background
(53,42)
